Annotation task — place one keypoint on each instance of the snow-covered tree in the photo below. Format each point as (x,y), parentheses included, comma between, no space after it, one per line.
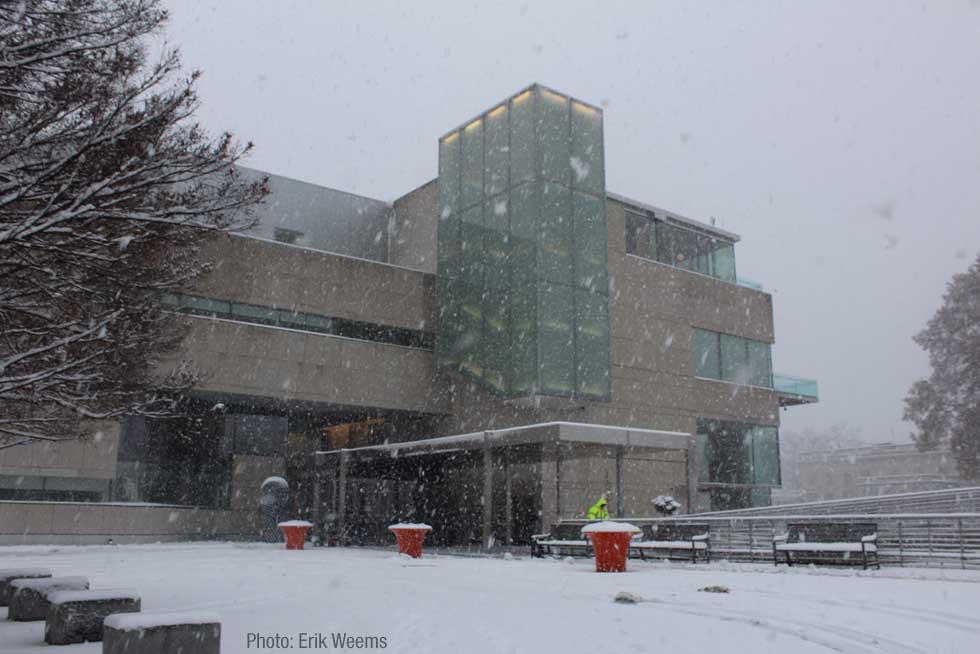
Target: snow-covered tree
(107,190)
(946,406)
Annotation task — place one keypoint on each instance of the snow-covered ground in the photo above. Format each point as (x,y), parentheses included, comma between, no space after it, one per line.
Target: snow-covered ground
(448,604)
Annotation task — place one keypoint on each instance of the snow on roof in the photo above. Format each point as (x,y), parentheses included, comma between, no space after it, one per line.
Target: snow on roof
(605,526)
(411,525)
(139,621)
(65,596)
(275,481)
(495,434)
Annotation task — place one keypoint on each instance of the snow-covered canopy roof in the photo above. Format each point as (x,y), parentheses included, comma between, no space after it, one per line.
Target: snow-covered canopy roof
(536,433)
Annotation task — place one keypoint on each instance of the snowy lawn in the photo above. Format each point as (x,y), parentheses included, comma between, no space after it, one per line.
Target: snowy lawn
(448,604)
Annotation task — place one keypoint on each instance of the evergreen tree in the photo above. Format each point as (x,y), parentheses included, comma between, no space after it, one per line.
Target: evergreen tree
(946,406)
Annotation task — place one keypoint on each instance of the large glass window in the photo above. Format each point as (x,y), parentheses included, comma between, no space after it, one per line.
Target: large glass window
(522,273)
(473,163)
(707,358)
(732,358)
(738,453)
(296,320)
(683,247)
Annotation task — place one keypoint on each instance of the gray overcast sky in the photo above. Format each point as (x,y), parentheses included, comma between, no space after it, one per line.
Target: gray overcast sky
(840,139)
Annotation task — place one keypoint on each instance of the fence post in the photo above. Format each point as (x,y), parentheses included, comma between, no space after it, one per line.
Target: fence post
(731,536)
(751,548)
(959,525)
(901,554)
(929,537)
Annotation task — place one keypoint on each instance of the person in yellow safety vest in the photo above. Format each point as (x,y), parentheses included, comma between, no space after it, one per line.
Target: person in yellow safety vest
(598,511)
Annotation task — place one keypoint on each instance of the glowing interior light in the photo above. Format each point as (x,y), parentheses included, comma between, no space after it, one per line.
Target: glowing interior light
(473,125)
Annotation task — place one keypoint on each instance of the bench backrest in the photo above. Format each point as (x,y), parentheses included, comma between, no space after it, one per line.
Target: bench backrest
(565,531)
(673,531)
(829,532)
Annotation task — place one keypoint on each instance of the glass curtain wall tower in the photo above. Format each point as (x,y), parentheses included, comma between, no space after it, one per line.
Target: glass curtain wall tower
(522,272)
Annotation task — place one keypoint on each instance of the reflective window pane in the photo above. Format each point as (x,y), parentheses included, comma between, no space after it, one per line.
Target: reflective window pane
(765,456)
(553,137)
(760,364)
(590,242)
(586,156)
(707,359)
(555,234)
(449,174)
(522,138)
(497,157)
(472,190)
(556,346)
(734,359)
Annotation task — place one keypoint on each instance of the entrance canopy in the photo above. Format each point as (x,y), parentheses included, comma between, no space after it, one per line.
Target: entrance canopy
(499,485)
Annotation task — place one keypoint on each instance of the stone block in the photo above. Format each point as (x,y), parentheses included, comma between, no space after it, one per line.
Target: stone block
(76,616)
(29,600)
(10,574)
(162,633)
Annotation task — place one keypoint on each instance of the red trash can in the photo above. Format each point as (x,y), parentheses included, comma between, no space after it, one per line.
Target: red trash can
(410,537)
(611,544)
(295,533)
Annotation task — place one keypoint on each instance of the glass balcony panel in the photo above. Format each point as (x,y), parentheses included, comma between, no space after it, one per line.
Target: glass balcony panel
(795,385)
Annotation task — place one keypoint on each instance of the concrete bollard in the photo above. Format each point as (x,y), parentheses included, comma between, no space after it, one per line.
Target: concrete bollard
(76,616)
(30,597)
(8,575)
(187,632)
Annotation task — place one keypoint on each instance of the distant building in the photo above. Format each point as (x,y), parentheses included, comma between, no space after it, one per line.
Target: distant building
(872,470)
(511,292)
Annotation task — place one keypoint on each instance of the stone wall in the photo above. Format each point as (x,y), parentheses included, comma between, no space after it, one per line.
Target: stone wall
(81,523)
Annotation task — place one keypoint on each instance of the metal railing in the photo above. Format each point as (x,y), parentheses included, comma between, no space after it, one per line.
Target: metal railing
(950,540)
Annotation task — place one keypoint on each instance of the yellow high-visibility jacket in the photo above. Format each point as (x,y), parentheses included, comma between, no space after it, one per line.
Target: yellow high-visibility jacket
(598,511)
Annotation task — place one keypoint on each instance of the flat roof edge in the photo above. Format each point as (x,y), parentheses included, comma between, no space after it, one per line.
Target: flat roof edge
(673,439)
(675,217)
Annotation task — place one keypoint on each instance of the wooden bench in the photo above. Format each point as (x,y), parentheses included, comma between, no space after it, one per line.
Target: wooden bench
(563,539)
(76,616)
(187,632)
(832,543)
(30,596)
(675,537)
